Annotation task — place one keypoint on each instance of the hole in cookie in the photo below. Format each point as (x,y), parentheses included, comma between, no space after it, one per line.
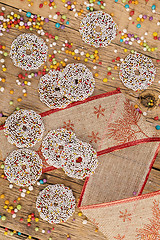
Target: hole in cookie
(28,52)
(24,167)
(57,89)
(55,204)
(24,128)
(137,72)
(60,147)
(79,160)
(76,81)
(98,29)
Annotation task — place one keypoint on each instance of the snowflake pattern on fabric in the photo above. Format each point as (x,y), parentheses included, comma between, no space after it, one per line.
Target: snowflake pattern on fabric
(125,215)
(118,237)
(99,111)
(94,137)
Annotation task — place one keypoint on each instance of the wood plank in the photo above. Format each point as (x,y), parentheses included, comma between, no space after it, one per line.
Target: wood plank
(72,34)
(76,229)
(153,183)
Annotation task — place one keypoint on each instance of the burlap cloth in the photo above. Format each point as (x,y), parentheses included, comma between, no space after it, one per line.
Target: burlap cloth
(127,146)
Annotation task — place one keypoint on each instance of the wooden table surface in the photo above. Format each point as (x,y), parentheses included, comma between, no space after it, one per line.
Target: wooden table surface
(75,228)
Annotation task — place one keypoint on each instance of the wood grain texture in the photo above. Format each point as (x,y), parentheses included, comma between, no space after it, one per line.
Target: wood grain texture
(75,229)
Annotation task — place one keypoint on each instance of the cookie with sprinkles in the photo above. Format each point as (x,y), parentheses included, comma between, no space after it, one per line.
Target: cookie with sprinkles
(28,51)
(98,29)
(79,160)
(76,82)
(55,203)
(54,143)
(49,91)
(23,167)
(24,128)
(137,71)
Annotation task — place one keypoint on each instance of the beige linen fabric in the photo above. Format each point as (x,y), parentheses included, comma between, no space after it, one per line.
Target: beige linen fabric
(126,146)
(132,219)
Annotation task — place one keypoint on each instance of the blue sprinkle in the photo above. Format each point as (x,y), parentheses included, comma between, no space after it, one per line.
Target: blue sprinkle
(87,8)
(126,6)
(121,40)
(41,181)
(57,25)
(19,233)
(28,14)
(138,25)
(153,7)
(158,127)
(67,22)
(98,3)
(116,1)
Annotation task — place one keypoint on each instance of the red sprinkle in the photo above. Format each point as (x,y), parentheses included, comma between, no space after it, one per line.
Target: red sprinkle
(131,13)
(156,118)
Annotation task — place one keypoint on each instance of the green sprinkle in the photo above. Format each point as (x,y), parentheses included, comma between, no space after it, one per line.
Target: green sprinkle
(64,17)
(2,166)
(92,56)
(5,54)
(3,218)
(19,207)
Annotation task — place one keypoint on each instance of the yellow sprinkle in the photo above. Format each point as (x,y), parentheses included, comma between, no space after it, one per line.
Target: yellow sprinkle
(105,80)
(7,202)
(2,196)
(155,34)
(19,99)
